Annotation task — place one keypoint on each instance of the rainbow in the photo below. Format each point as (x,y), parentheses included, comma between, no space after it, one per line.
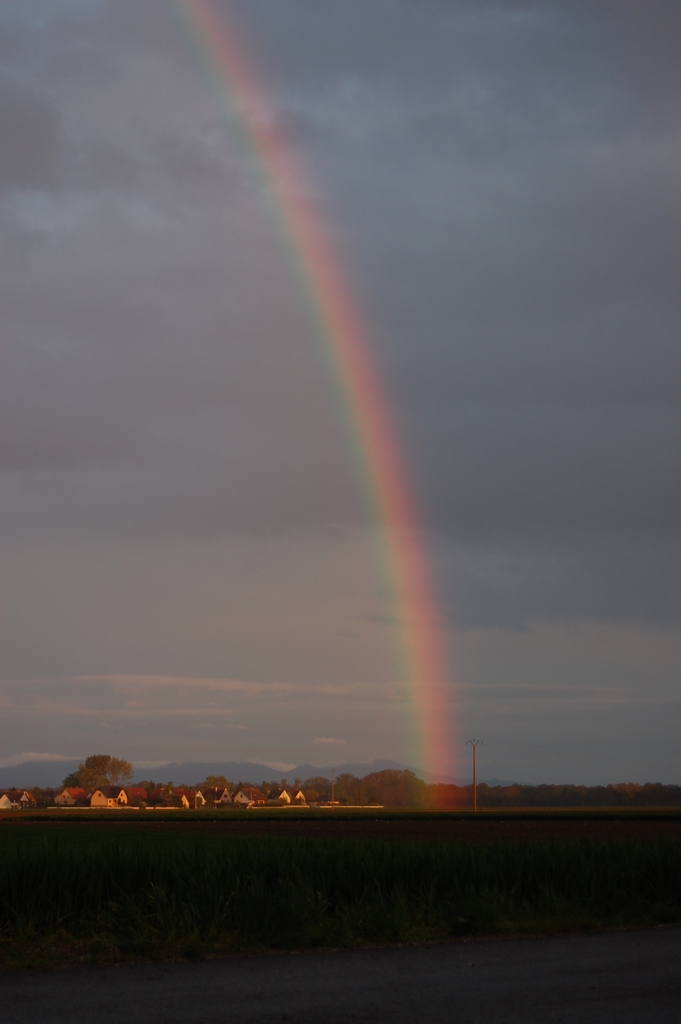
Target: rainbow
(405,565)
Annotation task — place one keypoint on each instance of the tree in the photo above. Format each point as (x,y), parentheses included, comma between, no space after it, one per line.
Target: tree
(148,785)
(319,785)
(101,770)
(395,788)
(43,797)
(214,782)
(119,771)
(91,773)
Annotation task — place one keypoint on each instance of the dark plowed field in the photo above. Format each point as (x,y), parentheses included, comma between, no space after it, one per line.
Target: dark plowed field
(445,829)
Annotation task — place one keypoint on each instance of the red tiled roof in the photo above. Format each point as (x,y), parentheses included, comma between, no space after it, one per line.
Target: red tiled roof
(252,793)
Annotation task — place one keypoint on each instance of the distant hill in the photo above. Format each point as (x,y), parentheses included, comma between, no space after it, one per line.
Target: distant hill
(51,773)
(36,773)
(195,771)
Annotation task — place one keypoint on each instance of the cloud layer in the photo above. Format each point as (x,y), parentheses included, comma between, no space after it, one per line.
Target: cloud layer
(179,498)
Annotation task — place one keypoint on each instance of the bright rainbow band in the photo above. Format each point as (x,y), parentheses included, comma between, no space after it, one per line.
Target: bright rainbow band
(404,560)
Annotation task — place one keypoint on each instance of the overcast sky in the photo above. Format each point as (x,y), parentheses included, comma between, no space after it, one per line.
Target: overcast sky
(188,565)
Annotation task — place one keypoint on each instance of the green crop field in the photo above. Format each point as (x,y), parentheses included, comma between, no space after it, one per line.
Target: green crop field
(68,895)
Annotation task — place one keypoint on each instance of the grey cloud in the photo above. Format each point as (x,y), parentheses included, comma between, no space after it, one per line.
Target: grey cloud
(552,469)
(605,578)
(512,293)
(29,130)
(500,182)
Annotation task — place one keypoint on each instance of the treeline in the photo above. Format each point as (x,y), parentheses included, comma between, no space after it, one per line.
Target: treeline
(387,788)
(405,789)
(624,794)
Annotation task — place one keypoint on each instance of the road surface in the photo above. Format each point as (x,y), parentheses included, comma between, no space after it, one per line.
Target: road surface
(617,977)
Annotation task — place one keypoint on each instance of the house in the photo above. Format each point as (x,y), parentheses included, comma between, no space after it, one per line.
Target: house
(16,800)
(71,797)
(248,796)
(136,794)
(174,796)
(215,797)
(188,797)
(108,796)
(289,798)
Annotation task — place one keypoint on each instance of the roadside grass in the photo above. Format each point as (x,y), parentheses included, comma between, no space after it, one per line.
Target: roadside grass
(90,895)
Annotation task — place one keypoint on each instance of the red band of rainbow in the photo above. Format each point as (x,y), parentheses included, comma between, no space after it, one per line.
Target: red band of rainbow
(405,563)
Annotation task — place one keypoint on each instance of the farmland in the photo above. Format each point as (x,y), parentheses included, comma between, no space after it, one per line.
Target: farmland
(528,824)
(119,889)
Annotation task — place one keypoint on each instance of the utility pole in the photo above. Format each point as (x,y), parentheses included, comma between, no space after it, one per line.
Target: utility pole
(333,772)
(474,744)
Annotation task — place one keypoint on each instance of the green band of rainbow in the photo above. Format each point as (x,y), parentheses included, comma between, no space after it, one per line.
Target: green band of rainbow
(405,564)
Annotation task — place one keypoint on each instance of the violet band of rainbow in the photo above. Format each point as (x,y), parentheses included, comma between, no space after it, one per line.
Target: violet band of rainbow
(422,650)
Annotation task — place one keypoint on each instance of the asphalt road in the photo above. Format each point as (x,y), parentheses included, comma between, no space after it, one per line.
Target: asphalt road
(615,977)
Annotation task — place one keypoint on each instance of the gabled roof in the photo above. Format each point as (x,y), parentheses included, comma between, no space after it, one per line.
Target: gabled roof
(18,796)
(76,792)
(216,792)
(110,792)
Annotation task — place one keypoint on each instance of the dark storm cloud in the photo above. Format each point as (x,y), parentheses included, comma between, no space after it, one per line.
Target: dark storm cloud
(503,182)
(522,272)
(607,578)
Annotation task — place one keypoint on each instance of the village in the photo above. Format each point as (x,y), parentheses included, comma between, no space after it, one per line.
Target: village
(159,798)
(395,789)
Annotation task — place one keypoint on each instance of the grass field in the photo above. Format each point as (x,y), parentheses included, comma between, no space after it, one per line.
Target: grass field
(86,814)
(95,894)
